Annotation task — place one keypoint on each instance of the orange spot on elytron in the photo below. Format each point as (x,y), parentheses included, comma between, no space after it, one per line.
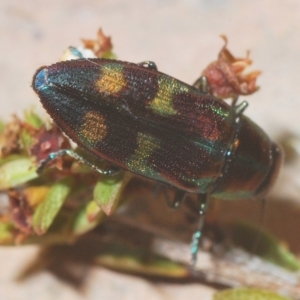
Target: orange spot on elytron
(93,129)
(208,129)
(112,79)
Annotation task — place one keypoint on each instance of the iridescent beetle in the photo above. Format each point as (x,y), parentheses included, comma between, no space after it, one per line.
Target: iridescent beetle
(156,126)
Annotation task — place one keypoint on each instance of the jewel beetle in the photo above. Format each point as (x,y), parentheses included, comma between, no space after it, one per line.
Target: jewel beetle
(151,124)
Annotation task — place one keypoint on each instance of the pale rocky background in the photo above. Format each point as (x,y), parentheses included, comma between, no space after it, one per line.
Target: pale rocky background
(181,37)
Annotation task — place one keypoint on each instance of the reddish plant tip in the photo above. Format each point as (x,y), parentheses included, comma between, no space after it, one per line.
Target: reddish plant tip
(226,77)
(99,46)
(48,141)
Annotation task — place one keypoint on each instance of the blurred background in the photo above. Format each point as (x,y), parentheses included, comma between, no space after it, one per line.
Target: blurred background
(181,37)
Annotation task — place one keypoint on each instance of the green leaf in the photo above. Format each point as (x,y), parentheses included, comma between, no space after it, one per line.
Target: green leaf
(46,211)
(120,258)
(247,294)
(109,55)
(33,119)
(269,247)
(108,191)
(17,171)
(11,157)
(92,210)
(83,223)
(26,140)
(58,233)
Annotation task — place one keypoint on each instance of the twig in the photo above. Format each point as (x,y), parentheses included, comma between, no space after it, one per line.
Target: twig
(234,268)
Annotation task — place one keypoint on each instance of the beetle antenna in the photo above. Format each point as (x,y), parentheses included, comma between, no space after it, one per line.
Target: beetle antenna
(202,201)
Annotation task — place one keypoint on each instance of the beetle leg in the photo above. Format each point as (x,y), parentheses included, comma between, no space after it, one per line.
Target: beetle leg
(202,201)
(111,171)
(75,52)
(148,64)
(202,85)
(177,200)
(258,237)
(234,101)
(239,109)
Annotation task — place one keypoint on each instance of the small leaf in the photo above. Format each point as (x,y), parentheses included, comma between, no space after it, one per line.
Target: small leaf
(108,190)
(109,55)
(11,157)
(126,260)
(83,221)
(92,210)
(269,247)
(26,140)
(247,294)
(16,172)
(35,194)
(33,119)
(49,208)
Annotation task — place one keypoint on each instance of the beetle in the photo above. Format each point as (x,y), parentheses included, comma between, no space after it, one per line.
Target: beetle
(151,124)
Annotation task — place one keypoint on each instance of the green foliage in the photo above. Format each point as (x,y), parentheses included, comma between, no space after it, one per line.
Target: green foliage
(49,208)
(247,294)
